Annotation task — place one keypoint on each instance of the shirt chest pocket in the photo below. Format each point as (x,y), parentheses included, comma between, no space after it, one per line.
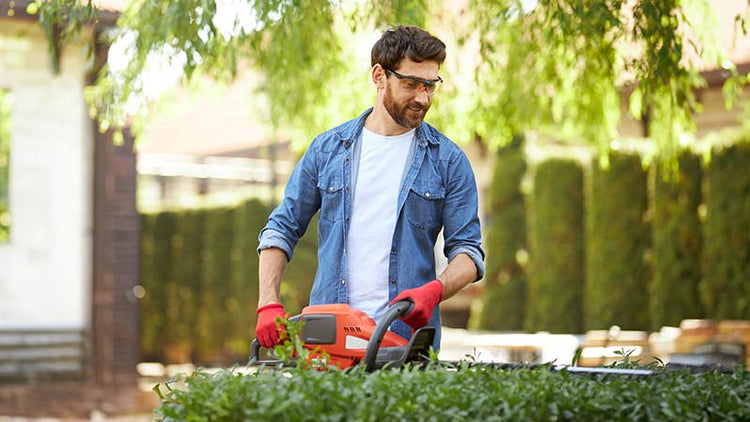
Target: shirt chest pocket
(424,205)
(331,199)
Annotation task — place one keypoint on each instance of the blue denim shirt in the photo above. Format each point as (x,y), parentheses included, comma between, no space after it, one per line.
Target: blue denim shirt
(438,193)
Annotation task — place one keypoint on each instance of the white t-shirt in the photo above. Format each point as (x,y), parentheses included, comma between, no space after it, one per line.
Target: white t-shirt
(382,161)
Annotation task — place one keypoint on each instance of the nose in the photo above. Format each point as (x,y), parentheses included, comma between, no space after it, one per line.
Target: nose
(422,97)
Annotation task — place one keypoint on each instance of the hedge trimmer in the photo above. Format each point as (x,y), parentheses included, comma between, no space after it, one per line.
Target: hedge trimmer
(345,337)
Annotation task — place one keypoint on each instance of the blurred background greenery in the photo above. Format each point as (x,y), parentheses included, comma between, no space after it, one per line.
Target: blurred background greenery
(616,246)
(639,233)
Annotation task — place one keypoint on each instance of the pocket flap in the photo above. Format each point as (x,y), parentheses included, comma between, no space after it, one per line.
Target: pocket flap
(429,191)
(330,186)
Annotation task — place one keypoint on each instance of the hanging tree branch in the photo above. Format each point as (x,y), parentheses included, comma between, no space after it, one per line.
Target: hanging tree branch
(557,67)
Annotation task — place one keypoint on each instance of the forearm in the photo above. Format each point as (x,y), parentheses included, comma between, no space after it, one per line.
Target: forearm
(271,267)
(459,272)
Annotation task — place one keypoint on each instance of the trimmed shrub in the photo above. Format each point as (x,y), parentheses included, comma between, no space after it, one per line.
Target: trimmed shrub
(555,296)
(725,286)
(214,319)
(478,393)
(185,304)
(618,238)
(200,272)
(503,300)
(156,274)
(148,324)
(675,198)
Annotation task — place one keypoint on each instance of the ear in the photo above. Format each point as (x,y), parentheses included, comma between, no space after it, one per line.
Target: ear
(378,76)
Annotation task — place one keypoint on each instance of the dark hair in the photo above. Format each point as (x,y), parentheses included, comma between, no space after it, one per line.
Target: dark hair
(406,42)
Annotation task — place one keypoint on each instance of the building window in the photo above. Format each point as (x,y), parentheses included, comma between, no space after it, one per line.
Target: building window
(5,107)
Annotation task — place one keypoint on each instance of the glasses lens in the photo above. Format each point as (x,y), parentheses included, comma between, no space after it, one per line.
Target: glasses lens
(413,84)
(433,88)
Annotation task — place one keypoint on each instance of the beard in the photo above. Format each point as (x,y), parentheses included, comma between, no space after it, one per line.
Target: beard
(409,114)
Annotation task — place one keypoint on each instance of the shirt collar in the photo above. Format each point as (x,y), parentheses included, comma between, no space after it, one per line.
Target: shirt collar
(349,133)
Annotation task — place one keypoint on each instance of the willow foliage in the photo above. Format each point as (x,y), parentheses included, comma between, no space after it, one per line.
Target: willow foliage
(556,67)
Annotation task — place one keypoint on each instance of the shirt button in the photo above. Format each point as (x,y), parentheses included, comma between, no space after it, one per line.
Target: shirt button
(393,250)
(343,281)
(427,194)
(330,189)
(347,188)
(393,281)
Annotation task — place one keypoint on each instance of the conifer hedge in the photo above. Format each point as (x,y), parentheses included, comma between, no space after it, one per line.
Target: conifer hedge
(555,297)
(725,284)
(199,267)
(148,322)
(618,238)
(215,319)
(676,198)
(157,275)
(199,270)
(504,297)
(188,245)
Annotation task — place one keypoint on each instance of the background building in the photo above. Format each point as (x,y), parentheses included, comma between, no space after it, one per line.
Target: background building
(68,313)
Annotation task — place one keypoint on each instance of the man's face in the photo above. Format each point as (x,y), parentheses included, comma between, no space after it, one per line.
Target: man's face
(406,105)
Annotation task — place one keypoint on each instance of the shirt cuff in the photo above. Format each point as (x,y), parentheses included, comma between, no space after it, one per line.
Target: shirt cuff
(272,239)
(475,256)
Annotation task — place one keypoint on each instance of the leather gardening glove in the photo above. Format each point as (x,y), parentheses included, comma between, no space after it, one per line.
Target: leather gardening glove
(425,299)
(268,332)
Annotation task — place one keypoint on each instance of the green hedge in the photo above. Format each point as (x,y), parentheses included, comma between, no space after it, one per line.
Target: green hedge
(215,319)
(157,275)
(503,302)
(725,285)
(199,267)
(199,270)
(469,394)
(555,297)
(189,249)
(149,322)
(617,242)
(676,198)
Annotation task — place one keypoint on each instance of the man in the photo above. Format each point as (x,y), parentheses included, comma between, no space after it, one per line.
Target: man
(385,184)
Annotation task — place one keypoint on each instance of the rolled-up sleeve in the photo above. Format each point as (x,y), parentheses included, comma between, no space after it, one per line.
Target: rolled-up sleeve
(461,227)
(476,255)
(272,239)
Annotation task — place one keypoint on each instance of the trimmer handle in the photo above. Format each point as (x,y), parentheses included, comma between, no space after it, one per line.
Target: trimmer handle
(395,311)
(254,351)
(255,356)
(402,308)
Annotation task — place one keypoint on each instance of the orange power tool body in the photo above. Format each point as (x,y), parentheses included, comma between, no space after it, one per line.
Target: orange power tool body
(350,337)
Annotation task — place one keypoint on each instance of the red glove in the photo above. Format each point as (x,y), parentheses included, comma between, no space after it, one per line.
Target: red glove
(425,299)
(268,332)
